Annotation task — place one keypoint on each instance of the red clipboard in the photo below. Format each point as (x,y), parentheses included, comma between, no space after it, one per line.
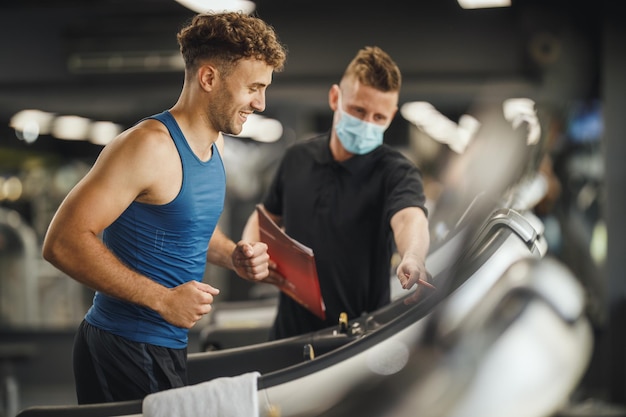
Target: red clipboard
(295,262)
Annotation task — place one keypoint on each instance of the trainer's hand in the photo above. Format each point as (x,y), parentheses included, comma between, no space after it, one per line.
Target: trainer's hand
(251,260)
(274,277)
(184,305)
(412,271)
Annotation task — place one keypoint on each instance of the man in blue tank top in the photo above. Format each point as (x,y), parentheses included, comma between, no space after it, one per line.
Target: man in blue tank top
(141,225)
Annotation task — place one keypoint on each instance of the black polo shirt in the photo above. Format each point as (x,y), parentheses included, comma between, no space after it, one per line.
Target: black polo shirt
(342,210)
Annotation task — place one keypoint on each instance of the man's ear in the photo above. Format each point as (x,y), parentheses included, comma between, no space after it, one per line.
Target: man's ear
(333,97)
(207,76)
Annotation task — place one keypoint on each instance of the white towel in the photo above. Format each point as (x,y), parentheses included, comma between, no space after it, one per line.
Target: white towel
(221,397)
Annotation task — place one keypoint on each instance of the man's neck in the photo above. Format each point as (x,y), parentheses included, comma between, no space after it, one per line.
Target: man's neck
(337,150)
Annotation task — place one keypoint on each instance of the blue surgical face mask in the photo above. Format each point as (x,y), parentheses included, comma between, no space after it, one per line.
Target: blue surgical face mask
(358,136)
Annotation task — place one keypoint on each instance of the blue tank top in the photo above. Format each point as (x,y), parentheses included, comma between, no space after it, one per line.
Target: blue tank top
(167,243)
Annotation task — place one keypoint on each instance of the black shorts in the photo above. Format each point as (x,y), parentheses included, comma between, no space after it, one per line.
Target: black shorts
(111,368)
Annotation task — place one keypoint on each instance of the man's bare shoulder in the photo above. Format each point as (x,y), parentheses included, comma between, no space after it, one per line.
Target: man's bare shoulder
(146,133)
(144,141)
(144,157)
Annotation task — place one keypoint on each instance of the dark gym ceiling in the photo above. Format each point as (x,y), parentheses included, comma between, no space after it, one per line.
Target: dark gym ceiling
(540,48)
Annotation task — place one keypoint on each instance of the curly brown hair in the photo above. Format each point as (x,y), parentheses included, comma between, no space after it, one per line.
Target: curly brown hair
(373,67)
(225,38)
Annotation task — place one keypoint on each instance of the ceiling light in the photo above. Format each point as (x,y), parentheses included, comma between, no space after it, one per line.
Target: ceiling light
(483,4)
(71,127)
(101,132)
(261,129)
(31,123)
(204,6)
(439,127)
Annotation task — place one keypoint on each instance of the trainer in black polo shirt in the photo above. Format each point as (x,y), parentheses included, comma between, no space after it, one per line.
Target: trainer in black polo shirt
(352,199)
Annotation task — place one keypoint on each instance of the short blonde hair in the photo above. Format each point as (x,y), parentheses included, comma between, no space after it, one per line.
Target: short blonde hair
(373,67)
